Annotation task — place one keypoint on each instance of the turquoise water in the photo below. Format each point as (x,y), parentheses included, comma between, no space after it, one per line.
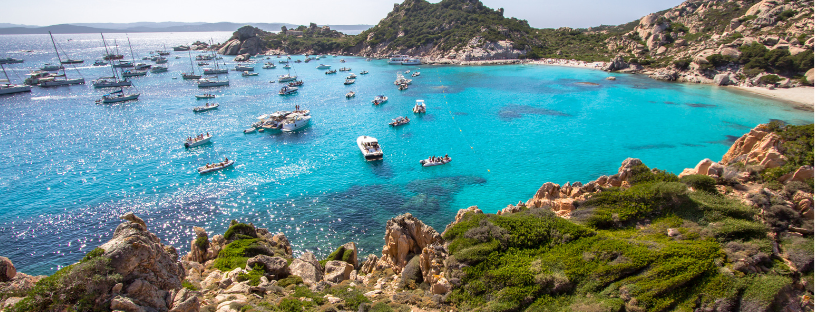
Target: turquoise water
(71,167)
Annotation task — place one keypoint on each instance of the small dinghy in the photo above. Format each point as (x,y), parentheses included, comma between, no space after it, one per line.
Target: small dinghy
(207,107)
(416,74)
(398,121)
(350,94)
(379,100)
(350,81)
(205,96)
(197,141)
(330,72)
(249,74)
(435,161)
(250,130)
(420,108)
(215,167)
(364,72)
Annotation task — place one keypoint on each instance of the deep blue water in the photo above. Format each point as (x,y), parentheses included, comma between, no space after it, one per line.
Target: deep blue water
(70,167)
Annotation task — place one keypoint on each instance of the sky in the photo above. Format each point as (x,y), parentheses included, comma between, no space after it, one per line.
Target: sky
(540,14)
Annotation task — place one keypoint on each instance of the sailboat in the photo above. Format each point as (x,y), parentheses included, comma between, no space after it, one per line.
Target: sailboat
(137,67)
(287,77)
(119,95)
(7,88)
(115,56)
(217,71)
(192,74)
(63,82)
(113,81)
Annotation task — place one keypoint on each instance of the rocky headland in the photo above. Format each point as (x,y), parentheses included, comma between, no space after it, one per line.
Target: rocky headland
(729,235)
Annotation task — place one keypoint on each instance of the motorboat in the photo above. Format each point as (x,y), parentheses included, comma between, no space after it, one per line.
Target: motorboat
(207,83)
(207,107)
(109,57)
(401,80)
(350,94)
(295,122)
(398,121)
(287,66)
(342,61)
(204,57)
(435,161)
(323,66)
(369,146)
(350,81)
(411,61)
(351,76)
(7,88)
(70,61)
(191,76)
(50,67)
(269,65)
(379,99)
(123,64)
(100,63)
(403,87)
(35,77)
(140,66)
(420,108)
(286,78)
(158,69)
(298,61)
(276,120)
(10,60)
(109,82)
(215,167)
(296,83)
(364,72)
(243,68)
(282,62)
(407,71)
(288,90)
(415,74)
(330,72)
(214,71)
(64,82)
(205,96)
(182,48)
(134,73)
(249,74)
(160,60)
(202,64)
(344,69)
(117,96)
(197,141)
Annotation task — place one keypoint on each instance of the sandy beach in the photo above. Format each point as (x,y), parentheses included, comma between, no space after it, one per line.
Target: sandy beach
(800,95)
(569,63)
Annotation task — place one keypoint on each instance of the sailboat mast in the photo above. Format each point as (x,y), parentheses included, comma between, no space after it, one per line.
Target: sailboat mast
(113,70)
(132,51)
(193,71)
(8,81)
(55,48)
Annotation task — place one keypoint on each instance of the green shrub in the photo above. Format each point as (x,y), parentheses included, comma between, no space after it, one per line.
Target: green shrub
(616,208)
(770,79)
(734,229)
(381,307)
(340,254)
(290,280)
(700,182)
(254,276)
(189,286)
(761,291)
(683,64)
(202,242)
(291,305)
(237,253)
(240,231)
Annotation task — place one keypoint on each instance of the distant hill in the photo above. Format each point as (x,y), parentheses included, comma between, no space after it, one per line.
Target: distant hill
(81,28)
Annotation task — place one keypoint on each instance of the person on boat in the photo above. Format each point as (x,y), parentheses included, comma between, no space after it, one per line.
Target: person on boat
(226,160)
(446,156)
(207,134)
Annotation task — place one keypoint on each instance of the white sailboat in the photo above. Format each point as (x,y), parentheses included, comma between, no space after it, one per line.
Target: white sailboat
(60,82)
(192,74)
(116,96)
(113,81)
(7,88)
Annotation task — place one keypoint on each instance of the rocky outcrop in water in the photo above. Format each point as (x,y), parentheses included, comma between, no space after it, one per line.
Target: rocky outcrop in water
(246,40)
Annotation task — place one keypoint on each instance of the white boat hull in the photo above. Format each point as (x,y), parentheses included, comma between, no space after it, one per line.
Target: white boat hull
(299,123)
(213,84)
(204,141)
(205,108)
(14,89)
(67,82)
(120,98)
(203,169)
(369,153)
(112,84)
(427,163)
(209,71)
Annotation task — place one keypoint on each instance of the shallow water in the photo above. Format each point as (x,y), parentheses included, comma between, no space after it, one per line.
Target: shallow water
(72,167)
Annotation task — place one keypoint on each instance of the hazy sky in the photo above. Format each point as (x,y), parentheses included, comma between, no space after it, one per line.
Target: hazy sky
(541,14)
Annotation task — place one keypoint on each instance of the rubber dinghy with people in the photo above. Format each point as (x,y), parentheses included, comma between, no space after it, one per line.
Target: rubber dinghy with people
(435,161)
(216,166)
(207,107)
(197,140)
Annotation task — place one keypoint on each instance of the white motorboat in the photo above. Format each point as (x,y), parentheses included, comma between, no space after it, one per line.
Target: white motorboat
(351,76)
(191,76)
(295,122)
(364,72)
(117,96)
(100,63)
(286,78)
(197,141)
(158,69)
(398,121)
(134,73)
(110,82)
(249,74)
(243,68)
(10,60)
(207,83)
(50,67)
(215,167)
(123,64)
(350,94)
(205,96)
(415,74)
(140,66)
(397,59)
(403,87)
(420,108)
(435,161)
(287,90)
(330,72)
(350,81)
(276,120)
(161,60)
(369,146)
(296,83)
(269,65)
(344,69)
(379,99)
(214,71)
(207,107)
(287,66)
(411,61)
(64,82)
(323,66)
(401,80)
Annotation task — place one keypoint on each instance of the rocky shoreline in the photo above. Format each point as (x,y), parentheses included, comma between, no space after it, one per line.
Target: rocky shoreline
(252,267)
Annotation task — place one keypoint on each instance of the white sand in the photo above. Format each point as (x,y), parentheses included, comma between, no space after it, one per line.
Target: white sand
(800,95)
(569,63)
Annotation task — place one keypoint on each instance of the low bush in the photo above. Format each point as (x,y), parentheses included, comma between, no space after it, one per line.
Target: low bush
(237,253)
(290,280)
(240,231)
(254,276)
(700,182)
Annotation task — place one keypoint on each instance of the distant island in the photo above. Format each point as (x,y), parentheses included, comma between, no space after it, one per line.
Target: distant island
(83,28)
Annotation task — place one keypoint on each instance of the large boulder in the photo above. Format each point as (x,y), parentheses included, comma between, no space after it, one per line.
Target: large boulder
(308,268)
(231,47)
(199,247)
(723,79)
(148,268)
(616,63)
(337,271)
(186,300)
(273,266)
(810,76)
(7,270)
(432,266)
(404,237)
